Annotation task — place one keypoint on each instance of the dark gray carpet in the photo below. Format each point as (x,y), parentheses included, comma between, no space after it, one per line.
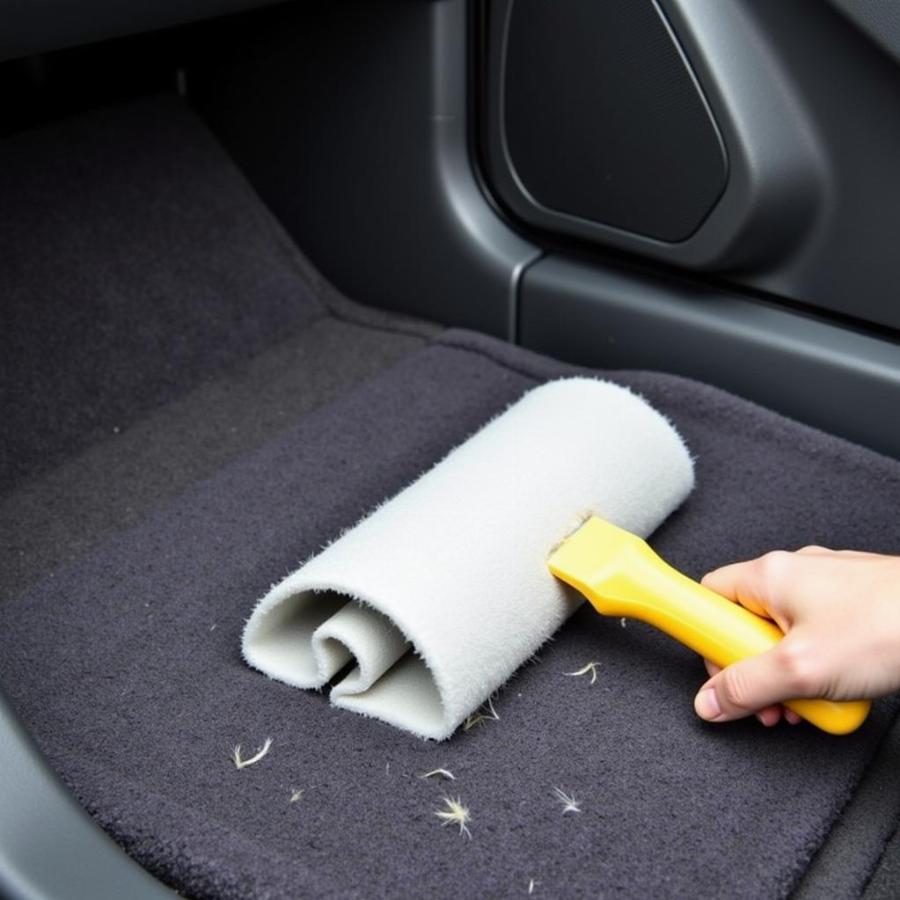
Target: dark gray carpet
(155,322)
(147,627)
(886,877)
(112,483)
(864,828)
(181,428)
(134,265)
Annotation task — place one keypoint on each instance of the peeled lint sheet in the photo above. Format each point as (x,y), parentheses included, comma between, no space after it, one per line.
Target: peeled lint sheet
(130,569)
(443,592)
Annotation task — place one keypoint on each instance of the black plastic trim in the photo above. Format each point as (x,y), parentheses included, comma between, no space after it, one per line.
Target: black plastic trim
(777,179)
(878,19)
(39,27)
(49,847)
(506,176)
(842,381)
(401,221)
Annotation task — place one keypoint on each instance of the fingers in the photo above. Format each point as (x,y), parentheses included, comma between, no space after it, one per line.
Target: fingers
(726,697)
(762,585)
(772,715)
(740,583)
(839,613)
(769,716)
(756,685)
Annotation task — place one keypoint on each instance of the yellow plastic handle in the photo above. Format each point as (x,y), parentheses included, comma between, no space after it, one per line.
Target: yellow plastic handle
(621,576)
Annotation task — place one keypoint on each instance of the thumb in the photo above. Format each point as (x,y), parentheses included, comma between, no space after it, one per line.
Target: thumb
(743,688)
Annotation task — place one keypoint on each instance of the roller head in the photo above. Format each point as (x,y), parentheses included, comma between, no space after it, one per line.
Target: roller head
(443,592)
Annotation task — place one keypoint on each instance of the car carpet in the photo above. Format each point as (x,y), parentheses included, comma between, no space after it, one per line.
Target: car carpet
(119,643)
(136,264)
(155,322)
(147,627)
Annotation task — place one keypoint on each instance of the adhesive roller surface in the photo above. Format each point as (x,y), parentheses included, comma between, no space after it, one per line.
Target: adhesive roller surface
(440,594)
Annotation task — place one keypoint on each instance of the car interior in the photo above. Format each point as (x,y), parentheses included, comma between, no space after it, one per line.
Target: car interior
(264,264)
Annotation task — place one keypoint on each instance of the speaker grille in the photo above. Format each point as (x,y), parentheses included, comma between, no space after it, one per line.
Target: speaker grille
(603,120)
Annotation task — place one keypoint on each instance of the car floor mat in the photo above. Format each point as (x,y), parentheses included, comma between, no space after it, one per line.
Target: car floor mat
(140,537)
(126,667)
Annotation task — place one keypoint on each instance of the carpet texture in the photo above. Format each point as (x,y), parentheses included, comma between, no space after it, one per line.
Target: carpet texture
(136,263)
(116,479)
(402,596)
(670,806)
(155,321)
(186,419)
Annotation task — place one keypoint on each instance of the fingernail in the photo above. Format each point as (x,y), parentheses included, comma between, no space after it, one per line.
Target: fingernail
(706,703)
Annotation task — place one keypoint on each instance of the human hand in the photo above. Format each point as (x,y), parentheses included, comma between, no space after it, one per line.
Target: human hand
(840,612)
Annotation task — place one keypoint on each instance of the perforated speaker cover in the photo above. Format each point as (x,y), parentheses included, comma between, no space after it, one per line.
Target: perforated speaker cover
(604,121)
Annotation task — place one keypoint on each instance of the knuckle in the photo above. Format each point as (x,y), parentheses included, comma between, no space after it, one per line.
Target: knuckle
(773,566)
(737,689)
(802,667)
